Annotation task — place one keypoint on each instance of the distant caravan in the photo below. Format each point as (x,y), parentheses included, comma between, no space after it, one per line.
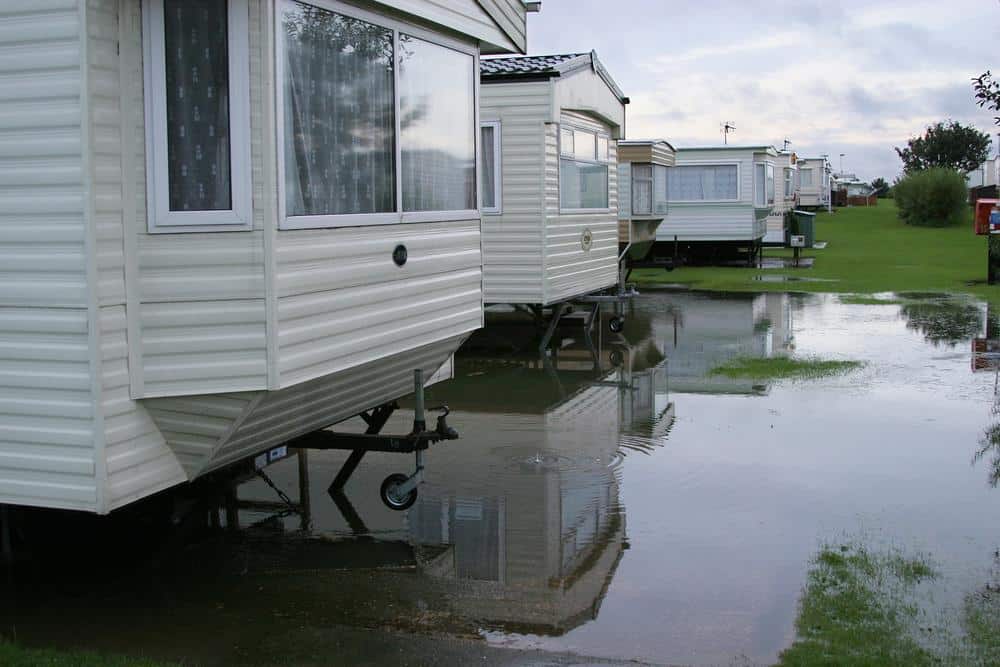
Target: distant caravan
(235,223)
(550,127)
(720,198)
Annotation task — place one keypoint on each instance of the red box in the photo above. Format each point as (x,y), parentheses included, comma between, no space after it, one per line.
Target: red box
(982,219)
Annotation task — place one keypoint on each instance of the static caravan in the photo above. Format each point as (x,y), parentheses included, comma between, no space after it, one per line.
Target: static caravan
(642,193)
(550,126)
(786,175)
(720,198)
(227,223)
(814,182)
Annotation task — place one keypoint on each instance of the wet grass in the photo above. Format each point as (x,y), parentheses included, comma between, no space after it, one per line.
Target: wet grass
(781,368)
(869,251)
(856,610)
(865,607)
(12,655)
(869,300)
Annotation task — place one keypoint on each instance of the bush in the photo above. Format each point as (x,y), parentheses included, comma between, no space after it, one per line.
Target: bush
(932,198)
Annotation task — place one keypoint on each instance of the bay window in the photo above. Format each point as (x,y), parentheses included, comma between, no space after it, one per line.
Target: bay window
(377,124)
(649,189)
(708,182)
(763,184)
(583,169)
(489,166)
(197,115)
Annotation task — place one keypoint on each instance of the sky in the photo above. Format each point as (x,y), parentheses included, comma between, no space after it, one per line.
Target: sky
(831,77)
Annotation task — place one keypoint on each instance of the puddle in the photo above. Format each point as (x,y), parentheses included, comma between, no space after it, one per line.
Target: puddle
(619,501)
(792,279)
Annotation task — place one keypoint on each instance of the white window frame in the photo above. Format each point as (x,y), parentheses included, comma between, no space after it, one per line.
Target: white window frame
(652,187)
(497,169)
(789,180)
(710,163)
(768,166)
(607,162)
(160,219)
(327,221)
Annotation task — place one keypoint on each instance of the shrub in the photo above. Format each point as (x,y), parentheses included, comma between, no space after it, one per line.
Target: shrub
(932,198)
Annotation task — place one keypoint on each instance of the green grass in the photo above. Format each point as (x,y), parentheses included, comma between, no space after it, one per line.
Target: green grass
(12,655)
(869,251)
(778,368)
(856,609)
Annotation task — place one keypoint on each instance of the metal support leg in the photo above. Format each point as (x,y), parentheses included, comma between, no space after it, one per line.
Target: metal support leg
(557,313)
(376,420)
(419,423)
(346,470)
(588,326)
(6,546)
(305,507)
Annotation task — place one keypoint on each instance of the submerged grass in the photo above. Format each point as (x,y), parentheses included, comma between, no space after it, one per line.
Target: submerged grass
(13,655)
(781,368)
(854,610)
(863,607)
(869,251)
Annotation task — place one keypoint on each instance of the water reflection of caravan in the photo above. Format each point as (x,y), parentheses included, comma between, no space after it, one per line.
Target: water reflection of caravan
(704,333)
(529,519)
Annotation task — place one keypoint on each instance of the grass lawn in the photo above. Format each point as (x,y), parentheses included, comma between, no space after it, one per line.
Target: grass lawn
(780,368)
(869,251)
(12,655)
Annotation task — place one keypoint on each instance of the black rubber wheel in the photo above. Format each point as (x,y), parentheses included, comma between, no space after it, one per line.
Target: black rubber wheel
(616,358)
(388,493)
(669,266)
(616,324)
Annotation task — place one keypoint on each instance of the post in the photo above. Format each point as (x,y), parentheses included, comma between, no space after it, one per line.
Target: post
(6,548)
(305,509)
(419,423)
(993,259)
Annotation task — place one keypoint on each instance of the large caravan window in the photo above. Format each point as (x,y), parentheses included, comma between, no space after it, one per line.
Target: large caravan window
(583,169)
(649,189)
(377,125)
(763,183)
(437,120)
(711,182)
(197,115)
(489,166)
(805,177)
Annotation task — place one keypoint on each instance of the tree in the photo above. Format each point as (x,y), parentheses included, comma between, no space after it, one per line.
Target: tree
(987,91)
(880,186)
(950,145)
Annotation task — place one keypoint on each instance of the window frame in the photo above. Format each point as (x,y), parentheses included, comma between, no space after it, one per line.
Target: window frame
(812,180)
(159,218)
(652,187)
(399,216)
(497,169)
(573,158)
(710,163)
(766,166)
(789,181)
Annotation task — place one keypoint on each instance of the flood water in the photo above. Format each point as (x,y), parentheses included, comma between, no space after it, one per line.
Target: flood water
(619,501)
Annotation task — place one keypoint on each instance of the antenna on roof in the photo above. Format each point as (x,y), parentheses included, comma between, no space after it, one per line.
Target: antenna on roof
(787,144)
(727,127)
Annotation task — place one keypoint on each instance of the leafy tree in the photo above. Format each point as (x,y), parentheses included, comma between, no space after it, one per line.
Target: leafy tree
(987,91)
(880,186)
(950,145)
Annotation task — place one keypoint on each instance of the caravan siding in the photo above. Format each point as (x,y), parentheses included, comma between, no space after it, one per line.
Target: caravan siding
(47,417)
(569,269)
(512,240)
(495,22)
(342,302)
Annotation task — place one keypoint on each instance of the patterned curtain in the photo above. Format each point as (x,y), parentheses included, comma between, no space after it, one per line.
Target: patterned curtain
(197,82)
(339,109)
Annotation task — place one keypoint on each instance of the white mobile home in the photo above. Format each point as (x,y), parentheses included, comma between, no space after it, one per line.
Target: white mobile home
(642,193)
(227,223)
(720,198)
(786,197)
(814,182)
(549,177)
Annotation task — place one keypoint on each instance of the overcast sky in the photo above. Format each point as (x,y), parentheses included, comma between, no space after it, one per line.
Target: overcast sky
(849,77)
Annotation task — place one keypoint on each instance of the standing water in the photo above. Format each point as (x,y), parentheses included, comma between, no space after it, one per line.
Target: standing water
(618,500)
